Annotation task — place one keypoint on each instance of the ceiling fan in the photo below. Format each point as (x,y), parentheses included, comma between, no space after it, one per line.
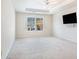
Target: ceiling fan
(53,1)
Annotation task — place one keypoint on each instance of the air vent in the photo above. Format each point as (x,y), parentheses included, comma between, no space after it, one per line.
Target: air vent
(35,10)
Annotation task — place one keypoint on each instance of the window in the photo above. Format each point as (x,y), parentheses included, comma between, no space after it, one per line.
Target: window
(39,23)
(31,23)
(34,23)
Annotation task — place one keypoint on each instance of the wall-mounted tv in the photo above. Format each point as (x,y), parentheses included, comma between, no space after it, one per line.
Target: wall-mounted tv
(70,18)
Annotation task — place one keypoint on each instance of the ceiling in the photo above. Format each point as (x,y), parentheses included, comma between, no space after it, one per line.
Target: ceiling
(39,6)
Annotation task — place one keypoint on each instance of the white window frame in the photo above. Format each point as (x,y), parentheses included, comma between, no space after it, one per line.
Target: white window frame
(34,16)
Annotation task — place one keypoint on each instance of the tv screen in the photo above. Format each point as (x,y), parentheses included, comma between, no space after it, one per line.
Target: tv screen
(70,18)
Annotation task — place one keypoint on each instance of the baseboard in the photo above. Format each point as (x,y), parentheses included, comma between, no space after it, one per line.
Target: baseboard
(9,49)
(66,40)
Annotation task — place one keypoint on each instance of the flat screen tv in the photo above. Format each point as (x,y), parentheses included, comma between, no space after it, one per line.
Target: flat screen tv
(70,18)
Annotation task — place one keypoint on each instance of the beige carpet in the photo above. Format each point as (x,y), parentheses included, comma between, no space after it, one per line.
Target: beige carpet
(42,48)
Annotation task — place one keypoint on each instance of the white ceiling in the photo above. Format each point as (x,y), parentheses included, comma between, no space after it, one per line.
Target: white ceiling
(39,5)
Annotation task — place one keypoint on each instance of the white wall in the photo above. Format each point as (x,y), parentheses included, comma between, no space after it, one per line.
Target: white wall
(21,31)
(64,31)
(8,27)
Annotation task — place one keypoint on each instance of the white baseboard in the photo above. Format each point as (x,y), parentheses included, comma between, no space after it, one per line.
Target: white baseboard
(67,40)
(8,51)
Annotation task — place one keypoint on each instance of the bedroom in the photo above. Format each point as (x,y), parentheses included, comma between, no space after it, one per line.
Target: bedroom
(35,29)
